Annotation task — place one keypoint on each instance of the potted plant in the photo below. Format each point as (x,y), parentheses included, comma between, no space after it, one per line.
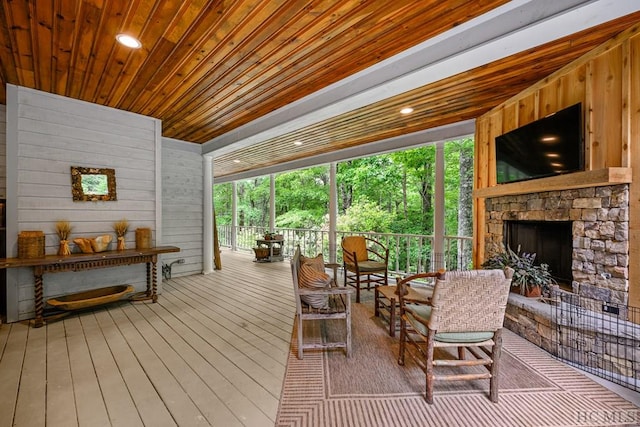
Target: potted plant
(532,280)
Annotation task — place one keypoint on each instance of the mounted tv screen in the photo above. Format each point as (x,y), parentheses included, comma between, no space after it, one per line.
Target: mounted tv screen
(550,146)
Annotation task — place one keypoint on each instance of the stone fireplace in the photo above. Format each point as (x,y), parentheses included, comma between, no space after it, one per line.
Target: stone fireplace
(599,223)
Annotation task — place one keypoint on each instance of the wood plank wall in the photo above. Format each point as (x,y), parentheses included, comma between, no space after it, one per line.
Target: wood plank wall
(607,82)
(46,135)
(182,204)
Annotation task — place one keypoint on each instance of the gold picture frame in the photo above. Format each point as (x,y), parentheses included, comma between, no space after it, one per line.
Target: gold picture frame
(93,184)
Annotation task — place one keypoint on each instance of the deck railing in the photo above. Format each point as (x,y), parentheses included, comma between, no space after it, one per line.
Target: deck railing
(408,253)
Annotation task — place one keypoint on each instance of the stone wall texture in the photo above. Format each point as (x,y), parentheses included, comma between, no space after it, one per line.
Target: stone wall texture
(600,230)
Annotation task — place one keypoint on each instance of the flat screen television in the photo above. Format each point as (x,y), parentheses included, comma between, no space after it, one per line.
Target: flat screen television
(549,146)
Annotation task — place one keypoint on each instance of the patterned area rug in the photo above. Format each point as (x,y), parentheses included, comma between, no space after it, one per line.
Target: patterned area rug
(371,389)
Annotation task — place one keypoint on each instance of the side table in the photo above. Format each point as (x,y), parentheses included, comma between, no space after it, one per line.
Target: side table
(387,303)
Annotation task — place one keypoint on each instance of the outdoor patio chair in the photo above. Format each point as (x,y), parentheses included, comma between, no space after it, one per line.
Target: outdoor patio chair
(319,298)
(365,263)
(466,312)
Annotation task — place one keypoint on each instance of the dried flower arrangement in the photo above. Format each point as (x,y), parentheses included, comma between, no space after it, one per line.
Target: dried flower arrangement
(121,227)
(63,230)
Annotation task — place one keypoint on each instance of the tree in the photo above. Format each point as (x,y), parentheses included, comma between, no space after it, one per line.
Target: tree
(222,196)
(418,171)
(465,199)
(302,198)
(365,215)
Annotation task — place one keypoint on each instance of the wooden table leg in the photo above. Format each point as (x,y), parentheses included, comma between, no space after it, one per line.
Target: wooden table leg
(149,280)
(38,291)
(154,278)
(392,318)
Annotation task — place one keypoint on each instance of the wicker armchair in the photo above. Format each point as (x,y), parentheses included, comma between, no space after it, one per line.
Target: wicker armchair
(365,262)
(466,311)
(337,306)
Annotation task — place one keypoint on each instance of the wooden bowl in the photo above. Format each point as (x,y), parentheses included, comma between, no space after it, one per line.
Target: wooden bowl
(90,298)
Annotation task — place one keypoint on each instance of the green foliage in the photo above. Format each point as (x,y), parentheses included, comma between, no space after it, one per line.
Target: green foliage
(526,274)
(302,197)
(385,193)
(297,219)
(365,215)
(222,195)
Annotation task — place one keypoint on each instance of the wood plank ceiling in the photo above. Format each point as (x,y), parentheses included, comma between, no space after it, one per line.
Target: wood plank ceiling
(209,67)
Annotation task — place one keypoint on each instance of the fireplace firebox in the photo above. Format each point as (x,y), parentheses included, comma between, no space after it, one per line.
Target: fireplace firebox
(551,241)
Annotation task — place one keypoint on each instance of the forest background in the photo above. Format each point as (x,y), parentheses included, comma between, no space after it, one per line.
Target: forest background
(387,193)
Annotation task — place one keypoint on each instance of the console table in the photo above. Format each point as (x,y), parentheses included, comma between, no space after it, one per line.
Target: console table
(81,262)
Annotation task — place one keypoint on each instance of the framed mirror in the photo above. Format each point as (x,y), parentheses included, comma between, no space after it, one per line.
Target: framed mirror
(93,184)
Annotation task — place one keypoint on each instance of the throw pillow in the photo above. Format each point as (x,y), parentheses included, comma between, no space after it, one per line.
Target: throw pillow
(316,262)
(310,278)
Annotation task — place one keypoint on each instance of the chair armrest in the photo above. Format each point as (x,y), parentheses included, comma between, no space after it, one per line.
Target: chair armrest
(326,291)
(414,316)
(384,257)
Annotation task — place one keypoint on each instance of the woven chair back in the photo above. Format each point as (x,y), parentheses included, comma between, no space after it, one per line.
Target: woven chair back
(469,301)
(357,245)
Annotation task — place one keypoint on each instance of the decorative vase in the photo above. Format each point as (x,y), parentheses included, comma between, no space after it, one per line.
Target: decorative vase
(64,248)
(121,246)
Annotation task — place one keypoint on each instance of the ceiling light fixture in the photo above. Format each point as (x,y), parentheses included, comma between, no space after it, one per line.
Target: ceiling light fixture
(297,142)
(128,41)
(406,110)
(236,161)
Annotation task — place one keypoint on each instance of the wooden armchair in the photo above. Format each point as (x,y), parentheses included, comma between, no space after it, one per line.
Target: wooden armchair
(466,312)
(318,298)
(365,263)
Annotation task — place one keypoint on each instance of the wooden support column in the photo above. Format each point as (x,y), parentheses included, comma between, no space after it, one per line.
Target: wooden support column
(438,217)
(333,212)
(272,203)
(234,216)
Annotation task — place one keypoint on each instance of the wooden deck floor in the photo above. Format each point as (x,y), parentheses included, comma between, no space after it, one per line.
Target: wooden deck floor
(212,351)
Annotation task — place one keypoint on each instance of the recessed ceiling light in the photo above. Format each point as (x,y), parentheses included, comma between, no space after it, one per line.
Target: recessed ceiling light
(129,41)
(236,161)
(297,142)
(406,110)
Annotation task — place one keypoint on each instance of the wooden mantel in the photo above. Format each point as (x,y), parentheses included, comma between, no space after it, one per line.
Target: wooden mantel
(82,262)
(594,178)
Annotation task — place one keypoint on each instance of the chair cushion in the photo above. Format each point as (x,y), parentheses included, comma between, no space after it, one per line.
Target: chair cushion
(309,277)
(371,266)
(424,311)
